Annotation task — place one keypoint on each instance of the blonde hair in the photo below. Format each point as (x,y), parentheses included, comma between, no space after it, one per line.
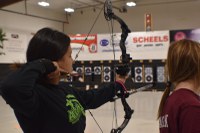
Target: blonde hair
(183,63)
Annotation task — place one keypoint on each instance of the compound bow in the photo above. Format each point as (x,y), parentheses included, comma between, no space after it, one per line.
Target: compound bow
(123,68)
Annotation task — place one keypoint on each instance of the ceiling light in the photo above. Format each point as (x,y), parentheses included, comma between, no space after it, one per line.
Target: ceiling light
(43,3)
(131,4)
(69,9)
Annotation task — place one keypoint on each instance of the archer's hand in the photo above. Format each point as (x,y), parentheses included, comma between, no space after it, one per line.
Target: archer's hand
(54,76)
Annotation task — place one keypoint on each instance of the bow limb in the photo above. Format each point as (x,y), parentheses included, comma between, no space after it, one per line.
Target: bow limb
(127,109)
(125,30)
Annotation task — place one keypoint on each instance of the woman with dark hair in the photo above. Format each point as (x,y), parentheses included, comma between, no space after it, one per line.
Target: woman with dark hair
(40,103)
(179,112)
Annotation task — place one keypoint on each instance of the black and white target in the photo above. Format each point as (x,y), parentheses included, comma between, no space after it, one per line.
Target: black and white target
(88,71)
(79,70)
(97,70)
(106,74)
(138,74)
(160,72)
(148,74)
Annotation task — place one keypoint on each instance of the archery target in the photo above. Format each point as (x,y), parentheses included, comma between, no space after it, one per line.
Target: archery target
(67,79)
(160,74)
(106,74)
(106,69)
(88,71)
(148,71)
(97,70)
(138,74)
(79,70)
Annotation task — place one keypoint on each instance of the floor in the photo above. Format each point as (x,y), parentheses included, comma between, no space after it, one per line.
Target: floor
(8,123)
(145,105)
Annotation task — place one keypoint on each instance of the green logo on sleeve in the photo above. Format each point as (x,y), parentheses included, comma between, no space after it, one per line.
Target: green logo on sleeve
(75,109)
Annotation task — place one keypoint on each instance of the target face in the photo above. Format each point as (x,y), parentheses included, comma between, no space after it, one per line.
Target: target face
(97,70)
(148,74)
(106,74)
(138,74)
(160,74)
(88,71)
(79,70)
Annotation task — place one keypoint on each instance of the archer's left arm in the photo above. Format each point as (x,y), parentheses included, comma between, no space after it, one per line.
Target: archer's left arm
(94,98)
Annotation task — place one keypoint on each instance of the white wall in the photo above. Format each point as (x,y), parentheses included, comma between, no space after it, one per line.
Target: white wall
(10,20)
(165,17)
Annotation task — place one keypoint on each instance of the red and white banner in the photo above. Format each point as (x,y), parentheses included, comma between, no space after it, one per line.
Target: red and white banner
(140,45)
(89,43)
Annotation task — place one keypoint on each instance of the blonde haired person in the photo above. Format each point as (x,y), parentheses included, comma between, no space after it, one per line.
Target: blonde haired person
(179,112)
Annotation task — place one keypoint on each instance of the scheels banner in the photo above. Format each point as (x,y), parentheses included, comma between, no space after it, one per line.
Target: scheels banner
(148,45)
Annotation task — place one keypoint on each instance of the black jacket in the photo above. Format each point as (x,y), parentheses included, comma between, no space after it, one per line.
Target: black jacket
(45,108)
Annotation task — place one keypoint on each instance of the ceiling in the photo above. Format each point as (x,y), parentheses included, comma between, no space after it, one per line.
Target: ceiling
(4,3)
(59,5)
